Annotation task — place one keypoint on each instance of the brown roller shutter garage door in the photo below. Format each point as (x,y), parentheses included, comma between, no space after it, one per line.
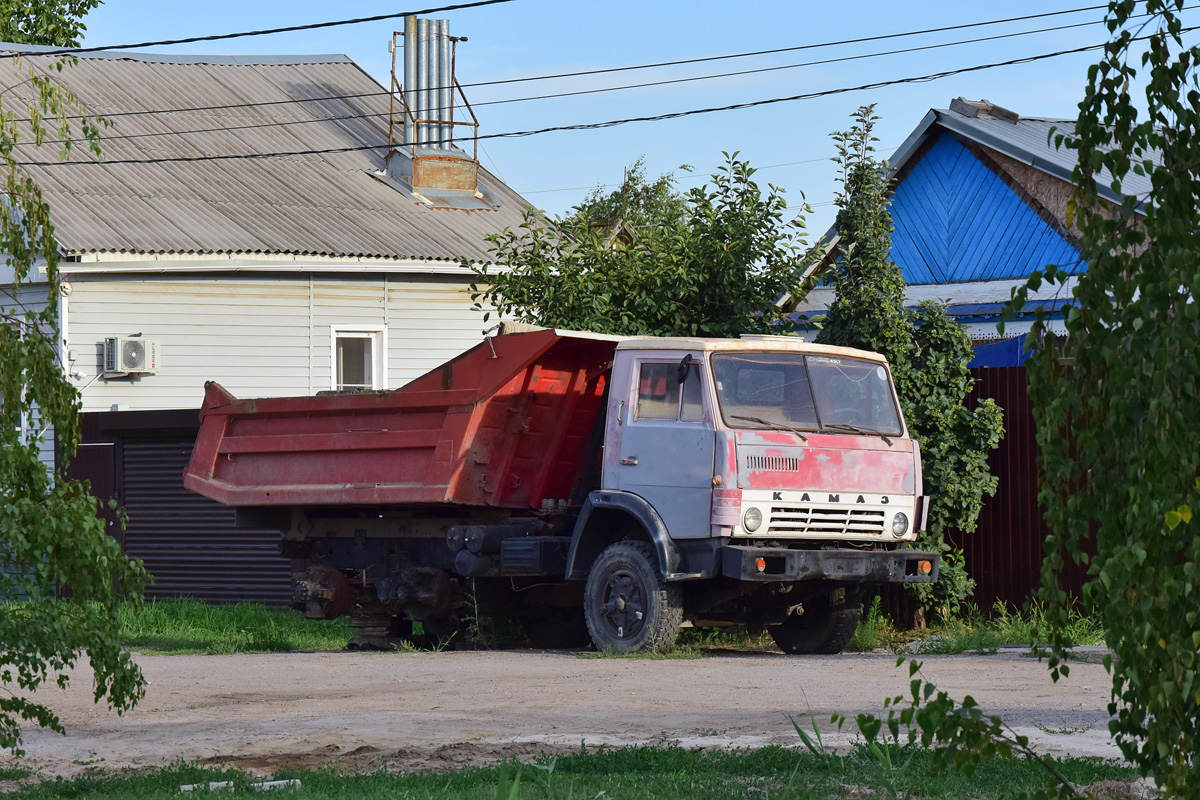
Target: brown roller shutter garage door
(189,543)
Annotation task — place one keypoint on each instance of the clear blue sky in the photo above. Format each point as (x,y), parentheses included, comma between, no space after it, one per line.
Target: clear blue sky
(540,37)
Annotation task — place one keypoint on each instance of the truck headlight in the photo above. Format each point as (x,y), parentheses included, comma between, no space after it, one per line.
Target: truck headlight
(752,519)
(900,524)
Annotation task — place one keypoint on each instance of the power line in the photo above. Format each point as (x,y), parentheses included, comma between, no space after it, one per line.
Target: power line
(263,32)
(859,40)
(582,73)
(806,96)
(689,177)
(617,122)
(376,115)
(777,68)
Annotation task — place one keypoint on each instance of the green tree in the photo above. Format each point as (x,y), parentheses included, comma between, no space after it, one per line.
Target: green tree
(712,262)
(637,204)
(58,23)
(927,350)
(1116,401)
(50,537)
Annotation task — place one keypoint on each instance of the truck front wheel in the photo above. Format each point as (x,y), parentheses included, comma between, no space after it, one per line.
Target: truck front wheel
(824,624)
(628,606)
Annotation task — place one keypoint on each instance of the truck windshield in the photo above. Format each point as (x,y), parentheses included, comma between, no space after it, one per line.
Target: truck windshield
(790,390)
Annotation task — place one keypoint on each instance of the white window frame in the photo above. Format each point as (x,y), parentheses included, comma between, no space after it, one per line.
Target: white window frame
(377,335)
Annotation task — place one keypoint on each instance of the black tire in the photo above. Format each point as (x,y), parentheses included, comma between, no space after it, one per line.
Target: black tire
(825,624)
(557,629)
(628,606)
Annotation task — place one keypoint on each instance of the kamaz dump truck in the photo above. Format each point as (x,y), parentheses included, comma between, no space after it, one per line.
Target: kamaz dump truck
(587,486)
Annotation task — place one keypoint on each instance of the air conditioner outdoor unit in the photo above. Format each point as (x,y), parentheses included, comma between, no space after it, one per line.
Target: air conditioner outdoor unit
(131,355)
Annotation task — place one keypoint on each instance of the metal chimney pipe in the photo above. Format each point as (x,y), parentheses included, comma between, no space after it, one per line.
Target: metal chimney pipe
(410,76)
(424,95)
(445,91)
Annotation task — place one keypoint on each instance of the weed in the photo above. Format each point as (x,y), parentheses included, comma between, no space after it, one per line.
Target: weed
(13,773)
(675,653)
(729,637)
(1065,730)
(976,633)
(875,630)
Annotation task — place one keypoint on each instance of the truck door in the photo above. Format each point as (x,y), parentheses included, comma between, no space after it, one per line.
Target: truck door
(664,449)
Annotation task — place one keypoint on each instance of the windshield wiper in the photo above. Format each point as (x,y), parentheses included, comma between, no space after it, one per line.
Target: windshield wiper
(842,426)
(773,425)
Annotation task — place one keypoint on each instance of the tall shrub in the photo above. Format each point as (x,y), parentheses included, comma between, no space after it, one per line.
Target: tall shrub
(928,352)
(50,536)
(1116,401)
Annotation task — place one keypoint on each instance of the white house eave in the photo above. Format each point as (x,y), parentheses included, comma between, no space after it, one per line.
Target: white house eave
(86,263)
(7,274)
(962,293)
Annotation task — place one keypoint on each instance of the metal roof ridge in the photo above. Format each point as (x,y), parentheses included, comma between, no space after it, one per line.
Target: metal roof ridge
(183,58)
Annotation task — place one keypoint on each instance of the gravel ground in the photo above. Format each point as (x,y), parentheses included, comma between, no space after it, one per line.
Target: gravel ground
(445,710)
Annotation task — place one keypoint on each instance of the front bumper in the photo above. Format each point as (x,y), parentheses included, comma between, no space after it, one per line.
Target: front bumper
(854,566)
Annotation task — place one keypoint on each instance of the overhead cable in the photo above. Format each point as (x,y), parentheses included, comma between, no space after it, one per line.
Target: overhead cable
(603,70)
(616,122)
(377,115)
(263,32)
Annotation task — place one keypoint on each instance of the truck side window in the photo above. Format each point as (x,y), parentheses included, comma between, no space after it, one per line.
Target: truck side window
(692,408)
(658,392)
(661,397)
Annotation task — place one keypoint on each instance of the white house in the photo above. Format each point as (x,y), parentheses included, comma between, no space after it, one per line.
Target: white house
(262,223)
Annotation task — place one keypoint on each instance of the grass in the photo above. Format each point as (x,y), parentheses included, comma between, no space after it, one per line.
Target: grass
(190,626)
(634,772)
(975,633)
(13,773)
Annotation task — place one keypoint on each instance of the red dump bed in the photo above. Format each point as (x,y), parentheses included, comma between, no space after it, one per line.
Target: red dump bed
(508,429)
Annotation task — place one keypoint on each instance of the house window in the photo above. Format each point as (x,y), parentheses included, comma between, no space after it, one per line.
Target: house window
(359,359)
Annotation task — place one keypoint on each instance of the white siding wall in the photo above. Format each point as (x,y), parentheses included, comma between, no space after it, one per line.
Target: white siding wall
(249,334)
(258,335)
(31,297)
(429,323)
(344,303)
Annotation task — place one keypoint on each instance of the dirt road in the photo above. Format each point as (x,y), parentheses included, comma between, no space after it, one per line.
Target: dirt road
(435,710)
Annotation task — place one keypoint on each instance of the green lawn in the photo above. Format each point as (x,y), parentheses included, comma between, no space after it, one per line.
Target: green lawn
(640,772)
(190,626)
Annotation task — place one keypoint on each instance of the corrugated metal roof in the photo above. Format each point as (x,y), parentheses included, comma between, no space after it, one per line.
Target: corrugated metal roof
(317,204)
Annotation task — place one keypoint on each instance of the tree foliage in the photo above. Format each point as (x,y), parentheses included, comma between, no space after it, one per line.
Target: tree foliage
(711,262)
(51,540)
(637,204)
(58,23)
(1116,402)
(928,352)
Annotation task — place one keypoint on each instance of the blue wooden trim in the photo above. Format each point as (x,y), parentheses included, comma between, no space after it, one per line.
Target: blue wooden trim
(957,221)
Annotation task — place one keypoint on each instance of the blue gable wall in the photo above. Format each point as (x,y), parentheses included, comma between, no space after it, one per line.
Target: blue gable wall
(956,221)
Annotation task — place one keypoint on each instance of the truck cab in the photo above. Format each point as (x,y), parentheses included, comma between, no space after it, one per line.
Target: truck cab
(780,466)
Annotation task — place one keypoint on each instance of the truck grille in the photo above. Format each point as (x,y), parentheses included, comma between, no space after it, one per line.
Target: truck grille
(826,520)
(773,463)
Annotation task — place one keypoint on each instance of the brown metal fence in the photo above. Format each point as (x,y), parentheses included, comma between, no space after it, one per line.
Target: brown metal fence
(1004,554)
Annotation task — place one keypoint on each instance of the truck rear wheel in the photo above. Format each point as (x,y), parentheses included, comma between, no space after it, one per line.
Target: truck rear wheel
(826,623)
(628,606)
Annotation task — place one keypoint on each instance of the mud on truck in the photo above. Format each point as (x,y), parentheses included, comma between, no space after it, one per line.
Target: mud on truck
(587,486)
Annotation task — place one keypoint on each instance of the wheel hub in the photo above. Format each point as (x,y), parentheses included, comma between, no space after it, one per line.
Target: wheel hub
(624,603)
